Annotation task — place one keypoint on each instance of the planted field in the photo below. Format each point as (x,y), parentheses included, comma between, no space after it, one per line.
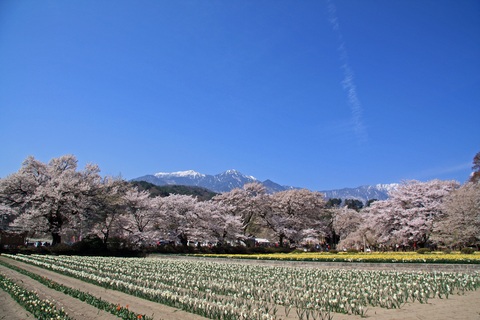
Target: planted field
(41,309)
(370,257)
(218,290)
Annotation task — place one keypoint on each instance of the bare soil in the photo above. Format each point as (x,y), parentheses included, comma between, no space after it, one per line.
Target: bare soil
(10,309)
(456,307)
(461,307)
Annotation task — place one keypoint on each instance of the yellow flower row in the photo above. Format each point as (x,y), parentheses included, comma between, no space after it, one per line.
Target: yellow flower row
(395,257)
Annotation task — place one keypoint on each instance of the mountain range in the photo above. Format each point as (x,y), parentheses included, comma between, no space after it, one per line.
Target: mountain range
(231,179)
(222,182)
(362,193)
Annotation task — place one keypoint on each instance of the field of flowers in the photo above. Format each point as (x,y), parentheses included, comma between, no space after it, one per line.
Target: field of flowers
(39,308)
(374,257)
(48,310)
(247,291)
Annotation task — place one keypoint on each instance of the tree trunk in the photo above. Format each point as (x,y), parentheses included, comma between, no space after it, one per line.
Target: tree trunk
(105,237)
(222,240)
(183,240)
(280,239)
(56,238)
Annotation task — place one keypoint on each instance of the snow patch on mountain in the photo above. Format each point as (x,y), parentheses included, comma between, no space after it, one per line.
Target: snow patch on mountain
(183,174)
(233,172)
(387,187)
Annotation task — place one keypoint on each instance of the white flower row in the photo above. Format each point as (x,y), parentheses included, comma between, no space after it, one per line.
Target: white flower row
(40,308)
(239,291)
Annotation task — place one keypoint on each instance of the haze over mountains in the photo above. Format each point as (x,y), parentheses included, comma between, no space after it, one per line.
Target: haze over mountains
(231,179)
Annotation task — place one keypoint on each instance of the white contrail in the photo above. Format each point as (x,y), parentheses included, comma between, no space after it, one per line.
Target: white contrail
(348,77)
(436,172)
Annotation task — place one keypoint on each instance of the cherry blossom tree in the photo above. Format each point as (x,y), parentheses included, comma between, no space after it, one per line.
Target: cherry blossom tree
(140,216)
(110,203)
(408,216)
(460,224)
(297,215)
(181,220)
(7,216)
(49,197)
(250,203)
(16,189)
(346,222)
(376,227)
(215,222)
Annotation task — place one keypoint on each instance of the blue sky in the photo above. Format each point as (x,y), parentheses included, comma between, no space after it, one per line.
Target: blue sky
(316,94)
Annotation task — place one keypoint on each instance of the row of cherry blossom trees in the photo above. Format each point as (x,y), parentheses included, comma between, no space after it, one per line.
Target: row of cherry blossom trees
(59,199)
(407,218)
(434,213)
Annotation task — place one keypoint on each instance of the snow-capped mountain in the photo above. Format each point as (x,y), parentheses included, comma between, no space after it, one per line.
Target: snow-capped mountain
(188,173)
(362,193)
(231,179)
(222,182)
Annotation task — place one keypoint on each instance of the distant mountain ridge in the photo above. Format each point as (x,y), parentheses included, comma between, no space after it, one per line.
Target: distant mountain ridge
(222,182)
(231,179)
(362,193)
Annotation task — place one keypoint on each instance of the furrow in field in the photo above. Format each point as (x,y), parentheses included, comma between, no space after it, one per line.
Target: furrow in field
(75,308)
(152,309)
(10,309)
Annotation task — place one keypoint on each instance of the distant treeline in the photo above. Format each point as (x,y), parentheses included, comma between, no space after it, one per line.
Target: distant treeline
(200,193)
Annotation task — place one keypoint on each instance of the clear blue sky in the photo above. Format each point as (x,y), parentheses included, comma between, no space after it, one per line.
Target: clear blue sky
(316,94)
